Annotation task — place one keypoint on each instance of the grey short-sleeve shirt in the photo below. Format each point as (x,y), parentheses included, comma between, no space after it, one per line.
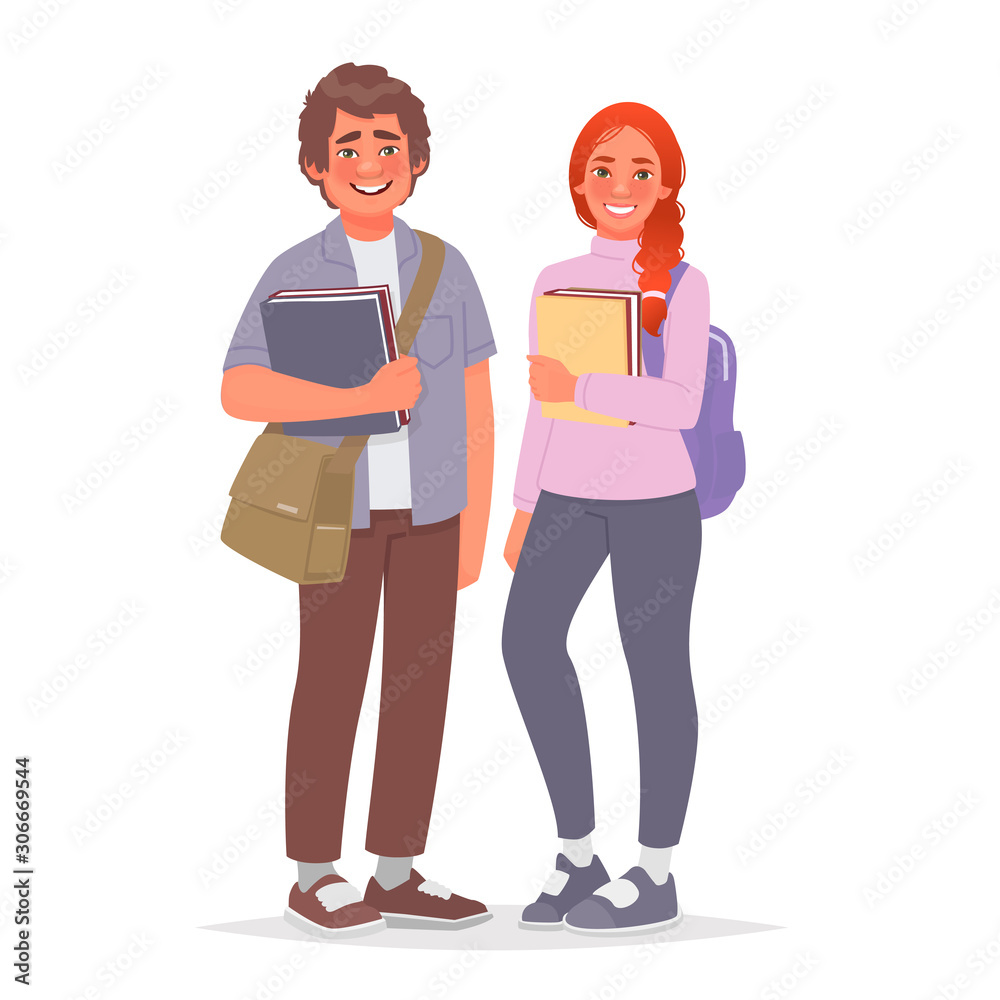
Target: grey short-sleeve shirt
(454,335)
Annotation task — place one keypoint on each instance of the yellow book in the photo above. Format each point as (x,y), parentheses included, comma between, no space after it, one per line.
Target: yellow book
(589,330)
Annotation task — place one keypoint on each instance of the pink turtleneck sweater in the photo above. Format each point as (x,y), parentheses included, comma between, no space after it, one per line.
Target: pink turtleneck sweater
(649,458)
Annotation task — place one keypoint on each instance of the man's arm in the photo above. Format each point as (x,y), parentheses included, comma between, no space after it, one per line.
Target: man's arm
(254,392)
(479,455)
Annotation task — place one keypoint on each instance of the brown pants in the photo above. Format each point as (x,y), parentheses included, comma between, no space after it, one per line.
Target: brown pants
(419,565)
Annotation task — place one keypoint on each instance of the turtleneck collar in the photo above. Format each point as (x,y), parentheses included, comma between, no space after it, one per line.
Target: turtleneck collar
(615,249)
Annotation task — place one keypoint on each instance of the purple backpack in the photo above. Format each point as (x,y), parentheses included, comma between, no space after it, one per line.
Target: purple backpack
(716,450)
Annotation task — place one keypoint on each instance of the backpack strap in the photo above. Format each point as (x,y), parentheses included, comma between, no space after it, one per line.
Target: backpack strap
(432,250)
(676,273)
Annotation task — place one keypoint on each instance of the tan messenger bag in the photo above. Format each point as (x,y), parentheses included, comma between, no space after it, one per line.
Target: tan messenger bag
(292,500)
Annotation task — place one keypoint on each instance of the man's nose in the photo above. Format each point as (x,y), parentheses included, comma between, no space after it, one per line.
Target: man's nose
(370,168)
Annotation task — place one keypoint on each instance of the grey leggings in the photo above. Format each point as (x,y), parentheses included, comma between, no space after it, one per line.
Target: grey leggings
(655,547)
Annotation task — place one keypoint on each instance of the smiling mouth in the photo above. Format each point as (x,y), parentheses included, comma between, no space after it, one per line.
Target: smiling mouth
(620,211)
(372,190)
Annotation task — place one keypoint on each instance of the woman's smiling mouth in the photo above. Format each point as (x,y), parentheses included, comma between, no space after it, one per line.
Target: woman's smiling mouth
(619,211)
(372,190)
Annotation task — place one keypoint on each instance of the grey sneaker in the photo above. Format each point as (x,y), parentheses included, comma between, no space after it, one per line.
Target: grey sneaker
(620,908)
(565,887)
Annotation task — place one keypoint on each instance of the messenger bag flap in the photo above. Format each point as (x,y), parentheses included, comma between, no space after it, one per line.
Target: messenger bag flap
(280,474)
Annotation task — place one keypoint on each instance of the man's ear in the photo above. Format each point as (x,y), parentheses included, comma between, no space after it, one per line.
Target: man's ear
(420,167)
(314,174)
(581,187)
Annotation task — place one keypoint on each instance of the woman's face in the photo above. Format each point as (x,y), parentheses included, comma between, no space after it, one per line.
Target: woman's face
(622,184)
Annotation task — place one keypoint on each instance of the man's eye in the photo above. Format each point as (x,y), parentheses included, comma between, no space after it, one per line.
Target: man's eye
(347,154)
(388,150)
(642,175)
(602,172)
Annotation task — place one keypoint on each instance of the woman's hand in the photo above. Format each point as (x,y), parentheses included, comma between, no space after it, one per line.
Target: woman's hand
(515,538)
(550,380)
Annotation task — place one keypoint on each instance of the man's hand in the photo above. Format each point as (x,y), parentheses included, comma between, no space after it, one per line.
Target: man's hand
(550,380)
(395,386)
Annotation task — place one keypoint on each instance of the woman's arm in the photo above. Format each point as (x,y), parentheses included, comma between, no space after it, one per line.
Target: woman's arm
(674,400)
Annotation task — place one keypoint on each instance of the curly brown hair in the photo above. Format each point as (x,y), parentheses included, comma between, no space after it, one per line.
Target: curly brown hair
(361,91)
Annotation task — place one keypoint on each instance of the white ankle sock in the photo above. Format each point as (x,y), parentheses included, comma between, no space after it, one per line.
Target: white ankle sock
(656,862)
(580,852)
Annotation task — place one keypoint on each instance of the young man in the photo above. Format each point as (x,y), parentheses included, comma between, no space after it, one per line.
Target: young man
(421,506)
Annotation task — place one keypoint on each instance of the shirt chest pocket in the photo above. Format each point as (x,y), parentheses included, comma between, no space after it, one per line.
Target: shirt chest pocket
(435,341)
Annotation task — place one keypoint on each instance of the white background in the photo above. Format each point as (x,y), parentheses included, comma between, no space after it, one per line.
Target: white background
(507,92)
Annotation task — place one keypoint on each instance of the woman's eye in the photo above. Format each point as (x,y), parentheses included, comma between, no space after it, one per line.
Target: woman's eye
(347,154)
(388,150)
(602,172)
(642,175)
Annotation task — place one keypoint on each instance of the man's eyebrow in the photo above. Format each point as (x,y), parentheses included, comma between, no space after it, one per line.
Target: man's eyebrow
(379,134)
(603,159)
(349,137)
(640,159)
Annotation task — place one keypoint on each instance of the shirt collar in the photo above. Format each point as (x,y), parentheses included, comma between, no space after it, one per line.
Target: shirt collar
(615,249)
(337,250)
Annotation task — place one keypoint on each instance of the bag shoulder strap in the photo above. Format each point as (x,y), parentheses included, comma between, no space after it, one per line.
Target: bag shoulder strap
(415,308)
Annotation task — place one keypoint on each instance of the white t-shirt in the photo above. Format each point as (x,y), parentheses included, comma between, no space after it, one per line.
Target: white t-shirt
(388,454)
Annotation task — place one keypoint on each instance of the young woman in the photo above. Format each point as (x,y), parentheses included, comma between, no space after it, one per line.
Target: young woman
(585,491)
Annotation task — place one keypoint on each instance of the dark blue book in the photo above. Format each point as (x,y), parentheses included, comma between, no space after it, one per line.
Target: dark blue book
(335,336)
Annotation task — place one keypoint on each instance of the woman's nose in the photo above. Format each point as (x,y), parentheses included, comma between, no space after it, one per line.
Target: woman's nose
(621,190)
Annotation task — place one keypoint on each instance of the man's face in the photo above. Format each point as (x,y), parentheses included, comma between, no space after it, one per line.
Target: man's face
(369,171)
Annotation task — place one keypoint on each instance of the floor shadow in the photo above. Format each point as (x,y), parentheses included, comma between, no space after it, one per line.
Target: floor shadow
(500,934)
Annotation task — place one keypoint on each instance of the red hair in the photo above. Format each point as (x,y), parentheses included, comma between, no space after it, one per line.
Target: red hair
(661,238)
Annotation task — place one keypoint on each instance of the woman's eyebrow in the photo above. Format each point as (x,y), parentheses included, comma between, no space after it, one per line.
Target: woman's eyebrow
(640,159)
(602,159)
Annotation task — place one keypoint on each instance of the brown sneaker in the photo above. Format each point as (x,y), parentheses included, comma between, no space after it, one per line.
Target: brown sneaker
(419,903)
(332,908)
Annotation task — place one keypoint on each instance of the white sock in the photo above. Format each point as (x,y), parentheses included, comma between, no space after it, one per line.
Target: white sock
(656,862)
(580,852)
